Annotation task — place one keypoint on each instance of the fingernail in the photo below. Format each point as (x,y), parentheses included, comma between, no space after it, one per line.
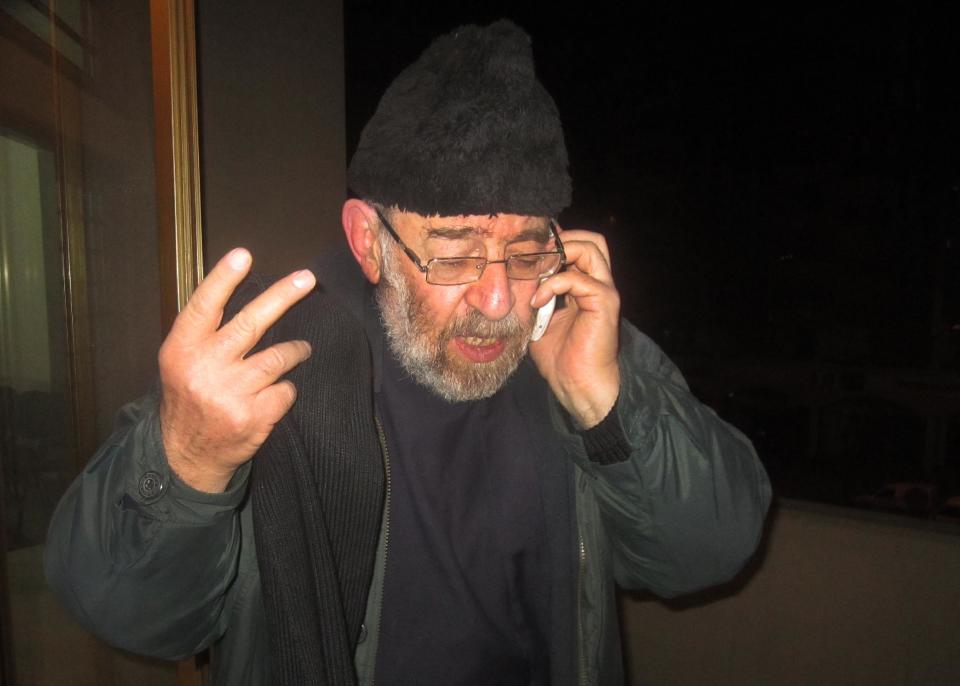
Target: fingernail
(303,278)
(238,258)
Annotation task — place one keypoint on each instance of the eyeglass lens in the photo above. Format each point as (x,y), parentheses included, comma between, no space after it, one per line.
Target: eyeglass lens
(458,270)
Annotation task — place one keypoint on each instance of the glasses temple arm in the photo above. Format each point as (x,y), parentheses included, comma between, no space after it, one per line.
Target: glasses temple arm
(556,235)
(412,255)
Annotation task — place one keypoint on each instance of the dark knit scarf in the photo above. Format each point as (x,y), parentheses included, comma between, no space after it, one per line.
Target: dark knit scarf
(317,489)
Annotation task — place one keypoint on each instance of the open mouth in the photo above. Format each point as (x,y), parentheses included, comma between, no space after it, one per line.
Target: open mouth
(478,349)
(479,342)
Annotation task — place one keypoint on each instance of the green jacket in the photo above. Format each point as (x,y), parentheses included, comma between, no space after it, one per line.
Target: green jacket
(158,568)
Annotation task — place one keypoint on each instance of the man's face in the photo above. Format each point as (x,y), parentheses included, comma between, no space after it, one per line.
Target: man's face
(464,341)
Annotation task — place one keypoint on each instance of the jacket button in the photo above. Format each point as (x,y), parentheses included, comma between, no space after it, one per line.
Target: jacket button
(151,486)
(363,634)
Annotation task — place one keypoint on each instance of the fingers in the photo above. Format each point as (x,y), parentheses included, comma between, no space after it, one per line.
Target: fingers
(273,402)
(219,406)
(242,332)
(203,311)
(587,257)
(588,270)
(587,293)
(268,365)
(574,235)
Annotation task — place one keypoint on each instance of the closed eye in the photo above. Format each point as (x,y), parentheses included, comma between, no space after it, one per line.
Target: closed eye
(527,260)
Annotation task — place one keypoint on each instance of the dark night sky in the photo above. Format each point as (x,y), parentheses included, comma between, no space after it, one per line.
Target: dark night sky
(779,183)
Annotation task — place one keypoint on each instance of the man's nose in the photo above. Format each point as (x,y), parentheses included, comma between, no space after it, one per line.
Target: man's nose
(491,294)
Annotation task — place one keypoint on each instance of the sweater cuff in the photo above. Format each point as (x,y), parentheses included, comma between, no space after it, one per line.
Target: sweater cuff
(606,443)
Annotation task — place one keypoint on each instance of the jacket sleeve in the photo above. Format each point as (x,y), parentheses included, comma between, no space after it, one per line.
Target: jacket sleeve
(683,503)
(137,556)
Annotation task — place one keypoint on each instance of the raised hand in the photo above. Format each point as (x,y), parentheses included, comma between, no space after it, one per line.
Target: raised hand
(578,353)
(219,405)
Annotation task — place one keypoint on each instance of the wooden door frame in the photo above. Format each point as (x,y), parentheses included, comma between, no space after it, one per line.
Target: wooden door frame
(177,160)
(177,148)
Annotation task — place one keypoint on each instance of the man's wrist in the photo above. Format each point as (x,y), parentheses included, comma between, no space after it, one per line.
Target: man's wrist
(606,442)
(589,405)
(199,477)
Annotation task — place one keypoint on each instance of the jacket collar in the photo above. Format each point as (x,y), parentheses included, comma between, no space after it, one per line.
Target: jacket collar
(339,275)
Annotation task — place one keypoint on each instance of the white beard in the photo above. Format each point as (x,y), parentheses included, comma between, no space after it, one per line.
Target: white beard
(425,353)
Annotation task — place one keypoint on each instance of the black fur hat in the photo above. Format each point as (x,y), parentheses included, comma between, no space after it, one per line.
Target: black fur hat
(466,129)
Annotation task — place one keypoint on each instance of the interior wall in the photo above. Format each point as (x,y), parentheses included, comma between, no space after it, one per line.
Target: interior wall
(840,597)
(272,128)
(123,276)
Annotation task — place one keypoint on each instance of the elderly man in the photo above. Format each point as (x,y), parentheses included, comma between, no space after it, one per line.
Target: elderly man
(384,478)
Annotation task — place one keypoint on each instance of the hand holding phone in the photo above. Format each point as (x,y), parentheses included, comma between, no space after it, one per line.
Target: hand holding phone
(578,358)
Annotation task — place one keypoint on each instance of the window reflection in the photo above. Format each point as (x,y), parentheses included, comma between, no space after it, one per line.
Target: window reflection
(37,456)
(76,199)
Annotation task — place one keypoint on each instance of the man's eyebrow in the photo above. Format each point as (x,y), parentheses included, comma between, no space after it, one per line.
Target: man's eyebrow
(452,233)
(540,234)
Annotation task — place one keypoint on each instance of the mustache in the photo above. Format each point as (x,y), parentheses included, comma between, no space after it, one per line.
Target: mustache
(475,325)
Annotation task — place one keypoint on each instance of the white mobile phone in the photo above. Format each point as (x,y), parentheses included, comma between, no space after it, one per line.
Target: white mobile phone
(543,319)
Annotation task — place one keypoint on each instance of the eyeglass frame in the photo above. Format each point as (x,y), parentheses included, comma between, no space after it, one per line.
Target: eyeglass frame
(425,269)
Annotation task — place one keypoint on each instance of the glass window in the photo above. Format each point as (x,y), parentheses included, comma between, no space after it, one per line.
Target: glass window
(78,264)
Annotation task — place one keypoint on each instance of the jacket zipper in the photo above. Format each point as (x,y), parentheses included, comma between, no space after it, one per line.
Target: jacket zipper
(386,540)
(581,648)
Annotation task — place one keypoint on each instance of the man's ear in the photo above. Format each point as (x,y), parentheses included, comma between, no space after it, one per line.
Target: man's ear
(360,225)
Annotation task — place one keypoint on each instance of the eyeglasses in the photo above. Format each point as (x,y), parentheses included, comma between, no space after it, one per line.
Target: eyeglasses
(454,271)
